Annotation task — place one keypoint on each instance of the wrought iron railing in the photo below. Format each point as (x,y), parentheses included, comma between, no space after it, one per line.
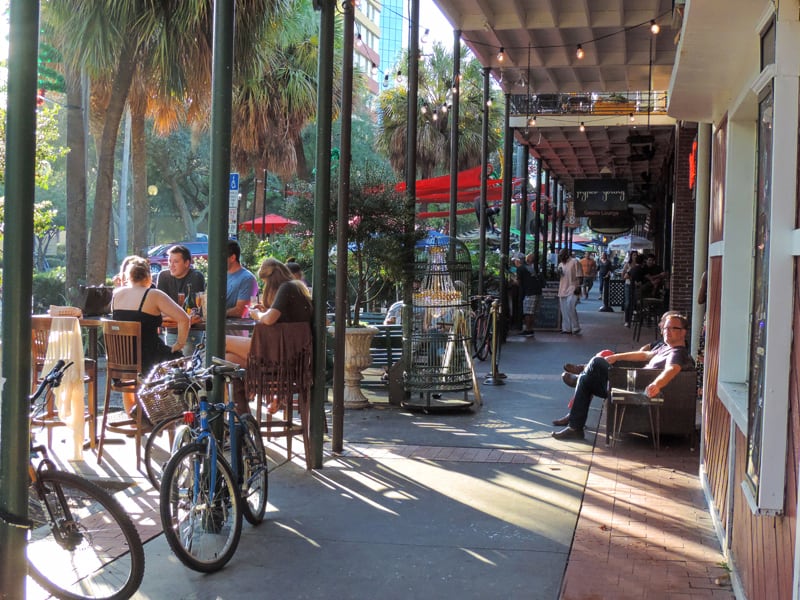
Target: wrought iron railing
(617,103)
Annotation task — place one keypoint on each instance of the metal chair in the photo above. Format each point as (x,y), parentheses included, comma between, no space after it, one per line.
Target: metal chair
(123,343)
(41,327)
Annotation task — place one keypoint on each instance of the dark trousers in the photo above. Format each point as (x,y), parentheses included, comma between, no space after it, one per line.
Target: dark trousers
(593,381)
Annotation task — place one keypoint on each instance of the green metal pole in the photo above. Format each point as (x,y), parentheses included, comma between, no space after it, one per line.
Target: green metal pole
(411,180)
(322,194)
(484,186)
(505,230)
(342,256)
(455,90)
(221,82)
(18,283)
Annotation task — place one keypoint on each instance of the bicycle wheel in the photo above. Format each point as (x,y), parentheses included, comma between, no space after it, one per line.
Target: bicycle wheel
(255,482)
(480,337)
(201,515)
(166,437)
(82,544)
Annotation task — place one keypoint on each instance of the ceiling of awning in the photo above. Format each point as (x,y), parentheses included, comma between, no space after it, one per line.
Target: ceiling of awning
(539,39)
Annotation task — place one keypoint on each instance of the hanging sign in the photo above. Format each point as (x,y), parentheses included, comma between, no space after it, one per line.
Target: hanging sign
(601,197)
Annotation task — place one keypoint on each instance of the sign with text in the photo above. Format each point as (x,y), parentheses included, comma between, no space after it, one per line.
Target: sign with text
(601,197)
(233,204)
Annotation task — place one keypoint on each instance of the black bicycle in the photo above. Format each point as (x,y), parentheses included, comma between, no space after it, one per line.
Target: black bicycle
(82,543)
(482,325)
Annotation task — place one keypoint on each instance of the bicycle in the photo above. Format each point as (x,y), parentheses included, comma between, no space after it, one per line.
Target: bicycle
(170,379)
(482,325)
(203,496)
(82,544)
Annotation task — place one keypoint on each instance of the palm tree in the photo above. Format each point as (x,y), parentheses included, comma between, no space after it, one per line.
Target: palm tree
(273,105)
(433,138)
(168,42)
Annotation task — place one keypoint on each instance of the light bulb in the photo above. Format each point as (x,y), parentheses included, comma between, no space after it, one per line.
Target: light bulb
(501,55)
(655,28)
(374,69)
(532,121)
(582,127)
(632,118)
(359,41)
(425,36)
(386,81)
(435,117)
(424,109)
(489,102)
(579,52)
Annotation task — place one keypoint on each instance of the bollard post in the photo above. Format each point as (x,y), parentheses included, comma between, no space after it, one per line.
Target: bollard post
(606,296)
(494,378)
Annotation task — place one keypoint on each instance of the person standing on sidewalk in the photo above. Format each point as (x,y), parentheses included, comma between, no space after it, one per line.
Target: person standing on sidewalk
(569,291)
(589,267)
(604,270)
(530,287)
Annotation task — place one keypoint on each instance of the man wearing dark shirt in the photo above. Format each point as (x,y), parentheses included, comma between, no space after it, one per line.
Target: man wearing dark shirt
(671,358)
(182,278)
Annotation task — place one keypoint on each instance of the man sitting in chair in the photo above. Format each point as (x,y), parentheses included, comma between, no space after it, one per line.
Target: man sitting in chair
(671,358)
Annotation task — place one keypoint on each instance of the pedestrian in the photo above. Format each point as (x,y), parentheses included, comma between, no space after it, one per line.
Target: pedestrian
(569,290)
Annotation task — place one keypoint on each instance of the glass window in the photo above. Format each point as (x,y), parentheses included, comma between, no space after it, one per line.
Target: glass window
(758,323)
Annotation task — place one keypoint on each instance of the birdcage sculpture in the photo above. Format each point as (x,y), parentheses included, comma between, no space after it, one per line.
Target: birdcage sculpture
(441,363)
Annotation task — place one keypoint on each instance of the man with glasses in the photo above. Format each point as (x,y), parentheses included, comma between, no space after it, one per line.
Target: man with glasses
(671,358)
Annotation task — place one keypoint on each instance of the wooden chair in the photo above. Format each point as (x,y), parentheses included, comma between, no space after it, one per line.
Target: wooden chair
(124,365)
(41,326)
(279,365)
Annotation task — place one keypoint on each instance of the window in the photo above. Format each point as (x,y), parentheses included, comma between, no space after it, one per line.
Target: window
(758,319)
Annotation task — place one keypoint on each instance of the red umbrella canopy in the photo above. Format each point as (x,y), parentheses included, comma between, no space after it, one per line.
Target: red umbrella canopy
(270,223)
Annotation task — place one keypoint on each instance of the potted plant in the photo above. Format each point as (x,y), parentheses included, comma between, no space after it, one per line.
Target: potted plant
(375,260)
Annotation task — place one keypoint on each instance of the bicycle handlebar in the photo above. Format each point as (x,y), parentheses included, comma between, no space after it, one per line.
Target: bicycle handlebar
(52,379)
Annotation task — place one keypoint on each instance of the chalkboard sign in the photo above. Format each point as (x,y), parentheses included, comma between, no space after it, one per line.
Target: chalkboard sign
(548,314)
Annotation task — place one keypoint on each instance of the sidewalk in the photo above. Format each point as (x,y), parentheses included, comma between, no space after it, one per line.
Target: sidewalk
(465,505)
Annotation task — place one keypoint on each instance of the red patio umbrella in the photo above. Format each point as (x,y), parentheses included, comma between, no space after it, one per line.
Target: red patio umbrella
(268,224)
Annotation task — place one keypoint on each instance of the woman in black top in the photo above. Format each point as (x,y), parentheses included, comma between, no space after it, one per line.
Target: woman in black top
(138,301)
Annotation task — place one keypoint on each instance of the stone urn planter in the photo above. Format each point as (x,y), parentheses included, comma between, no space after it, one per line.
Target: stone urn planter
(356,358)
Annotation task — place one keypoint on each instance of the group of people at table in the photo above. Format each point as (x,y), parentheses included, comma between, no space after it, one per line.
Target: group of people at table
(284,298)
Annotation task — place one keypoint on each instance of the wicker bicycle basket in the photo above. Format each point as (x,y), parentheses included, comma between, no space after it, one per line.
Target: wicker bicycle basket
(163,400)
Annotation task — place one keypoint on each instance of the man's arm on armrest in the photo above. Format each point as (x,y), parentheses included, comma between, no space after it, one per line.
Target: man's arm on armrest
(635,356)
(659,383)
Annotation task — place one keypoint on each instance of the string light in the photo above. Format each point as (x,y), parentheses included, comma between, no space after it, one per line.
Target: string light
(582,128)
(425,36)
(399,77)
(374,69)
(501,55)
(655,28)
(359,41)
(489,102)
(632,118)
(386,80)
(579,52)
(424,109)
(532,121)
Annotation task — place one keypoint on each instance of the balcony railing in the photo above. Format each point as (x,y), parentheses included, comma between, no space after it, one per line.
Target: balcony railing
(618,103)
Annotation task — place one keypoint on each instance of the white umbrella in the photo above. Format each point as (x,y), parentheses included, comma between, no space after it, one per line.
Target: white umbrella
(630,242)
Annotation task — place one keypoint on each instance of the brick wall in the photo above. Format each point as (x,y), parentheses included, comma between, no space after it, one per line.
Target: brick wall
(683,224)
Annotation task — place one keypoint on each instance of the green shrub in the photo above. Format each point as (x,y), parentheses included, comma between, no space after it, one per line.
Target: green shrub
(49,288)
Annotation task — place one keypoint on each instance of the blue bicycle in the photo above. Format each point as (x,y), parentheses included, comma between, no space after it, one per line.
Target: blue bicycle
(203,495)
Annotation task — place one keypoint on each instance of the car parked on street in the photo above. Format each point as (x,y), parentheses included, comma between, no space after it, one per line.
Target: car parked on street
(159,255)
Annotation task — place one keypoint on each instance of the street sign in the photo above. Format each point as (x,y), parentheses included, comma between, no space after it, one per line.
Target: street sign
(233,204)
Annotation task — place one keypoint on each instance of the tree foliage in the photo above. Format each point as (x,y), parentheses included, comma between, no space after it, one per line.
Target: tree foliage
(435,98)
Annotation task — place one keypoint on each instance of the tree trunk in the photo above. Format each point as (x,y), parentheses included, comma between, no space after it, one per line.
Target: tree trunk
(76,182)
(141,206)
(189,226)
(98,261)
(302,166)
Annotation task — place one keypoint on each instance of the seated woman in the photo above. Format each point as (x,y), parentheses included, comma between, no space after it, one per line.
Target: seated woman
(138,301)
(288,301)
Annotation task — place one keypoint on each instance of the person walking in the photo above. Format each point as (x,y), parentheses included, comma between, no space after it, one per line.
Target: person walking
(589,267)
(604,270)
(569,290)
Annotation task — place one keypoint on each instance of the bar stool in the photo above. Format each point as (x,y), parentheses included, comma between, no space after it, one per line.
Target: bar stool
(68,348)
(279,366)
(124,365)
